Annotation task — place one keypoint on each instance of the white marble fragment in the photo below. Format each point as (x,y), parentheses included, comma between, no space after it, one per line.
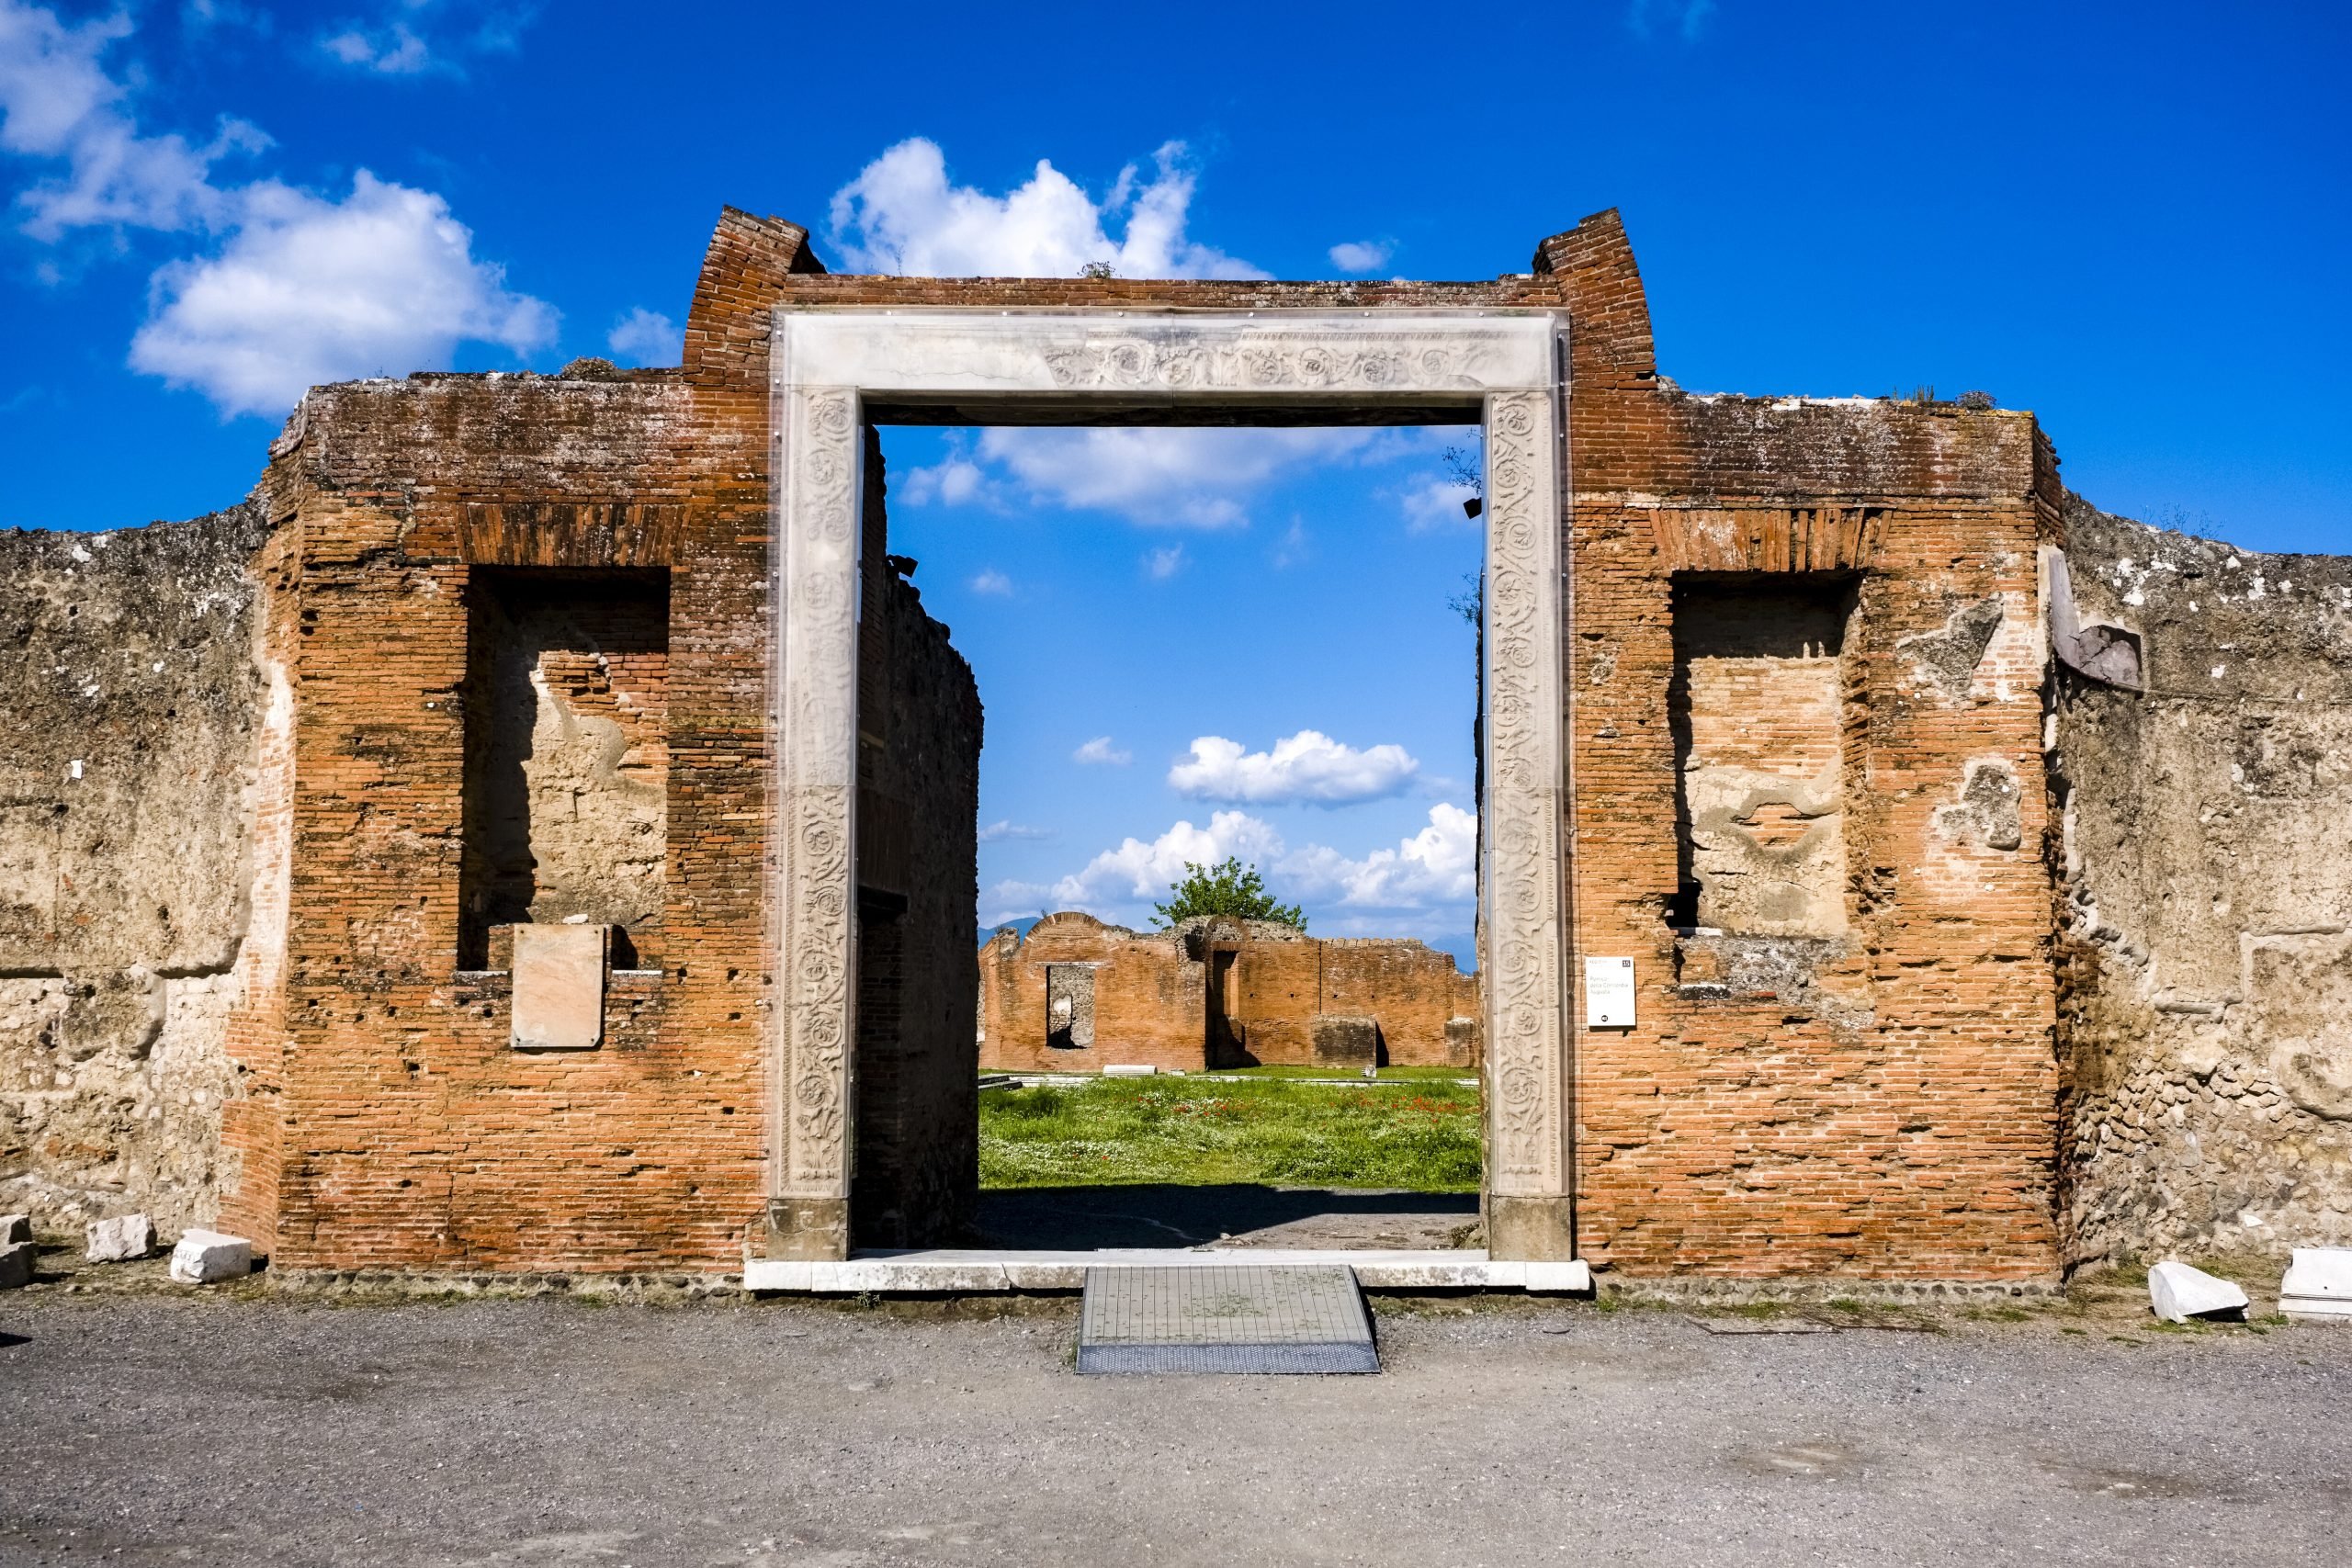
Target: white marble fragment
(2178,1292)
(2318,1284)
(119,1239)
(203,1256)
(1142,1071)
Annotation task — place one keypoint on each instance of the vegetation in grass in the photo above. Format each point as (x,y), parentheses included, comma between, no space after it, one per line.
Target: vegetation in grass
(1418,1136)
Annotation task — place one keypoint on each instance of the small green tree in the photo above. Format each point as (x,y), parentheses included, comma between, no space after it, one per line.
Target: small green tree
(1228,889)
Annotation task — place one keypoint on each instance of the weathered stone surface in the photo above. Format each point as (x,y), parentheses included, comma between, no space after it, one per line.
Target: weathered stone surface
(15,1228)
(119,1239)
(2205,966)
(203,1256)
(560,986)
(2177,1292)
(16,1265)
(133,706)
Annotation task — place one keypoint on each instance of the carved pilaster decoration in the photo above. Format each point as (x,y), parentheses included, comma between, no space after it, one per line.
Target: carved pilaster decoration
(1521,875)
(816,784)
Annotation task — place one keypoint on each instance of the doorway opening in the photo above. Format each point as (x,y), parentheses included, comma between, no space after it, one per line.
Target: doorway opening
(1227,987)
(839,826)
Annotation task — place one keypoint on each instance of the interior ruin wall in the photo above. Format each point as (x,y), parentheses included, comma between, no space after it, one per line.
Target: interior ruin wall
(2205,945)
(1145,998)
(915,1154)
(137,708)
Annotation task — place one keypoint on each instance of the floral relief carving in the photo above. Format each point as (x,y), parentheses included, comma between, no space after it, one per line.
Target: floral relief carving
(1268,362)
(1522,770)
(819,751)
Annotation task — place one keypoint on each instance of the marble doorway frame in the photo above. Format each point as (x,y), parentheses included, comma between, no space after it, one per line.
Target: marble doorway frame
(833,372)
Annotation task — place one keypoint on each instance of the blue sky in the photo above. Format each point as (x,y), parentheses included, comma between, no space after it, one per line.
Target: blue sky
(2132,220)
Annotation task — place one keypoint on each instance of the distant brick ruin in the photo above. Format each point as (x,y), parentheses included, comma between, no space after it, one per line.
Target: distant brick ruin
(1076,995)
(535,830)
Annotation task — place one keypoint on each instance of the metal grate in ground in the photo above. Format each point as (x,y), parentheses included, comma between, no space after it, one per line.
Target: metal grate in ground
(1227,1318)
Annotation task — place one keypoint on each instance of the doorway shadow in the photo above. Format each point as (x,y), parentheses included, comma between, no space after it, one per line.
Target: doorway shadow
(1233,1214)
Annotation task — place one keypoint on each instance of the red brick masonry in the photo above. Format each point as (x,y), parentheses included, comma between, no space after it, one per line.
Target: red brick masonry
(1873,1099)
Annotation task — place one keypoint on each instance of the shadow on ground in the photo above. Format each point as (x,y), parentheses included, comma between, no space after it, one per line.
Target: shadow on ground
(1234,1214)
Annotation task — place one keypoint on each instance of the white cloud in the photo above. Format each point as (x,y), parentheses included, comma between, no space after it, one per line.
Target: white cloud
(1433,505)
(1183,478)
(303,289)
(1139,869)
(1687,17)
(1099,752)
(310,290)
(409,37)
(392,51)
(59,104)
(1425,885)
(991,580)
(1165,562)
(954,480)
(1360,255)
(647,337)
(1295,547)
(996,832)
(1438,864)
(1308,766)
(900,214)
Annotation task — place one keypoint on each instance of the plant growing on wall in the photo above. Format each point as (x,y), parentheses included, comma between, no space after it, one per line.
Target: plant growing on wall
(1231,888)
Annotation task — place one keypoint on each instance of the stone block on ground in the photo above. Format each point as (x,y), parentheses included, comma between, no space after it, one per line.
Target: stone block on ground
(1130,1070)
(2178,1292)
(1346,1040)
(15,1228)
(2318,1284)
(119,1239)
(203,1256)
(16,1265)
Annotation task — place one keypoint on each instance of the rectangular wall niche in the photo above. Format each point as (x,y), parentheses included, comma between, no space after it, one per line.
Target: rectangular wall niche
(1757,705)
(567,758)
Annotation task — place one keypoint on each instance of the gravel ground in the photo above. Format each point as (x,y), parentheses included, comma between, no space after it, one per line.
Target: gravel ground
(153,1427)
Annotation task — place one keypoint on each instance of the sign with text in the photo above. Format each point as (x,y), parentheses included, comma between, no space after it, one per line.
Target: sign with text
(1609,993)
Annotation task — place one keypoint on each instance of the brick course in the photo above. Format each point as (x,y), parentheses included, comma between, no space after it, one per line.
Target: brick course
(1876,1098)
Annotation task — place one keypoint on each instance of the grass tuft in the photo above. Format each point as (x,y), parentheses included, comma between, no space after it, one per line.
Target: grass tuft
(1418,1136)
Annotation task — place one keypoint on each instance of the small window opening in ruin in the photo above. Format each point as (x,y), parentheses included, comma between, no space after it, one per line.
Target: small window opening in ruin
(1758,706)
(566,769)
(1070,1007)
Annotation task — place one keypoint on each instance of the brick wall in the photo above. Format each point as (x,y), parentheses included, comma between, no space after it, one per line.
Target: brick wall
(1870,1090)
(390,1123)
(1152,1001)
(1879,1104)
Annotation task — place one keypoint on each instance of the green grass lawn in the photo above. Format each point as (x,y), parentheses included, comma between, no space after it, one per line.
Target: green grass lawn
(1420,1134)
